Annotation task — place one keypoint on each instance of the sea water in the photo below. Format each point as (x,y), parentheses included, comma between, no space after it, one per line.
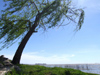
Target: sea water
(88,68)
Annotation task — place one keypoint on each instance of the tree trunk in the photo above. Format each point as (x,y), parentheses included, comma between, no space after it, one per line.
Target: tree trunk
(17,56)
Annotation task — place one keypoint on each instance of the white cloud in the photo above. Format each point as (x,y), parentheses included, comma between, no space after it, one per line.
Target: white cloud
(54,59)
(72,55)
(9,56)
(38,57)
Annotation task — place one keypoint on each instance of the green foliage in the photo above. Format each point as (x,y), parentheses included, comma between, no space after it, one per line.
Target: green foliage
(41,70)
(20,15)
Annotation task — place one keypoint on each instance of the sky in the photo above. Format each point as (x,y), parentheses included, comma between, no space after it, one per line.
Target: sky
(63,45)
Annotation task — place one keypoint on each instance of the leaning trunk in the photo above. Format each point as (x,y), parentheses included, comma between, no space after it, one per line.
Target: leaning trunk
(17,56)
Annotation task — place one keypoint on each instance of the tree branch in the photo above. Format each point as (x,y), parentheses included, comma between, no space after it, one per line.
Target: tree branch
(35,5)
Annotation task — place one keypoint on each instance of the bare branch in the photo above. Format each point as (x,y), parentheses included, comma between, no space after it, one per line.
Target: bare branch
(35,5)
(47,1)
(68,17)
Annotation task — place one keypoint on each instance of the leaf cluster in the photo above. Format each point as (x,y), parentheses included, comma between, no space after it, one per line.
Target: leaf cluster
(20,15)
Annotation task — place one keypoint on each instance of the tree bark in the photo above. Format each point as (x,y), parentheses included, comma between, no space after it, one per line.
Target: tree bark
(17,56)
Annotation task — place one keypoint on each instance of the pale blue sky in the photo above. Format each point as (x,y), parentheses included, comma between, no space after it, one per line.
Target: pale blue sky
(62,45)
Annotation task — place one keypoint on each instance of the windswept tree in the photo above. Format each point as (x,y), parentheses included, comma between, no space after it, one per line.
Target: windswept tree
(22,18)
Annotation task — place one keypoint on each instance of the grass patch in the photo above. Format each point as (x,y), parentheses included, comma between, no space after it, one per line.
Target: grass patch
(41,70)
